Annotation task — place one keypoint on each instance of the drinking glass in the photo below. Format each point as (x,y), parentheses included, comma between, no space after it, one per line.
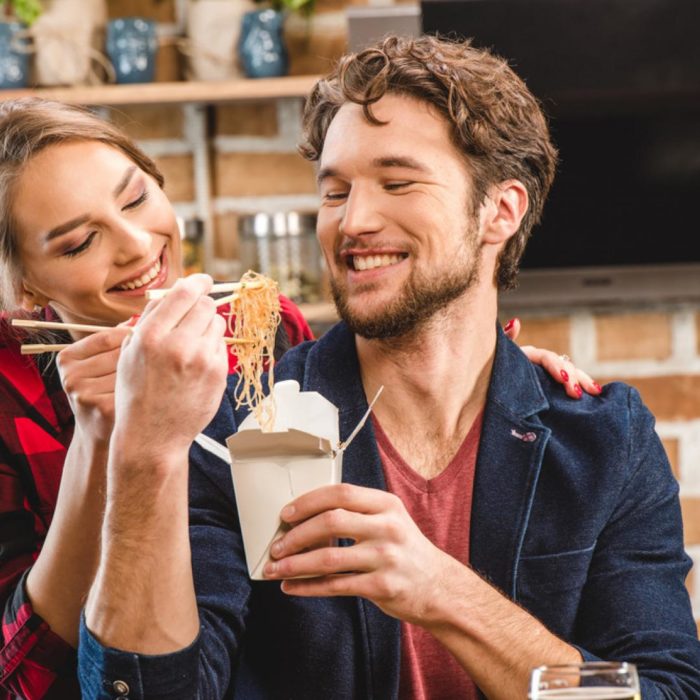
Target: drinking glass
(585,681)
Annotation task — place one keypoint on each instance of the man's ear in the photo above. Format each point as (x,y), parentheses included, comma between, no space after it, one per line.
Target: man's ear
(30,298)
(505,207)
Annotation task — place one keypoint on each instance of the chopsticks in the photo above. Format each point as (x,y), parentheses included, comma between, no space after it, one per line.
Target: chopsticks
(58,325)
(38,348)
(216,288)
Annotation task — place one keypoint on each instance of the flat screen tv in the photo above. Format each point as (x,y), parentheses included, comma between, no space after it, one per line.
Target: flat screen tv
(620,81)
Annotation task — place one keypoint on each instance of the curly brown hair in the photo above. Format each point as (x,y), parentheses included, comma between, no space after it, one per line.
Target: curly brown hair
(496,122)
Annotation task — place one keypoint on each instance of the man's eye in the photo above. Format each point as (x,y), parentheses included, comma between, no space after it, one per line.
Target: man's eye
(335,196)
(83,246)
(393,186)
(138,201)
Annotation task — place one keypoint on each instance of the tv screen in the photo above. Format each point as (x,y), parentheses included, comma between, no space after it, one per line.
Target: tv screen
(620,82)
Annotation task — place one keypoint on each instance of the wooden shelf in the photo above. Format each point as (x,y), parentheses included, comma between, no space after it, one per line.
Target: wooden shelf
(175,93)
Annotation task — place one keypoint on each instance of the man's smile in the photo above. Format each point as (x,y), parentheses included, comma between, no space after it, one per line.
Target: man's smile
(360,261)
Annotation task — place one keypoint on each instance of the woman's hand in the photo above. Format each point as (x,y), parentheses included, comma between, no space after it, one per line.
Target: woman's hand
(88,373)
(575,380)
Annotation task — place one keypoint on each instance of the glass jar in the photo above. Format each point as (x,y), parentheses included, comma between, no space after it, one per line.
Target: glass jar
(283,246)
(192,246)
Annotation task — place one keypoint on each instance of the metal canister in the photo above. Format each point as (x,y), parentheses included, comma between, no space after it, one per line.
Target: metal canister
(283,246)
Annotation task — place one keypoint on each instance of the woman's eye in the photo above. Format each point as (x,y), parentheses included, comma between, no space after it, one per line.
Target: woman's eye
(138,201)
(83,246)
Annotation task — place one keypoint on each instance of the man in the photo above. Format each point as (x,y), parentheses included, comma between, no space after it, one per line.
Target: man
(560,541)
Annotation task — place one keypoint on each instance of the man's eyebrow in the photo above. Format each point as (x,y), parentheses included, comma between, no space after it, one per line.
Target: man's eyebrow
(325,173)
(381,162)
(124,181)
(400,162)
(65,228)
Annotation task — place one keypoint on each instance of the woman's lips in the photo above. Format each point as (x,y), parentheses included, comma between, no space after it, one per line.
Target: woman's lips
(155,283)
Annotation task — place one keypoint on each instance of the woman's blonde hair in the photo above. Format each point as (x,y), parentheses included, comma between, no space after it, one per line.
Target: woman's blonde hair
(28,126)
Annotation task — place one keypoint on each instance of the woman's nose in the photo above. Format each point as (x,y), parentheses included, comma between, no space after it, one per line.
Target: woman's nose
(131,242)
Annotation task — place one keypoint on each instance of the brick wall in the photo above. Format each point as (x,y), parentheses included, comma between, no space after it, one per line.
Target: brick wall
(658,352)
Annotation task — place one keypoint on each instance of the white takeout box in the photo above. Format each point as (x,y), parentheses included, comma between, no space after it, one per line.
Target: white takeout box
(301,453)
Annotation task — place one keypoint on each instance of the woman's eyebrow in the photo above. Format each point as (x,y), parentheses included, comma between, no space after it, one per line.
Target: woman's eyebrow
(65,228)
(124,181)
(74,223)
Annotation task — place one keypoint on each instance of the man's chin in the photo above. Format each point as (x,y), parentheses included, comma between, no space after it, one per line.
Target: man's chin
(374,324)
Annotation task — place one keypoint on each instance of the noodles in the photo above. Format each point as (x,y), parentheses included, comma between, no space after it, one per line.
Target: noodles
(254,315)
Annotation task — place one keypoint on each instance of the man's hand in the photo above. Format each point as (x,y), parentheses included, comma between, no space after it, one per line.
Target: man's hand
(395,566)
(170,379)
(172,370)
(390,563)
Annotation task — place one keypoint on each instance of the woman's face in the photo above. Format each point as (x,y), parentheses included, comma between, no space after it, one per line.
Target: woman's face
(94,232)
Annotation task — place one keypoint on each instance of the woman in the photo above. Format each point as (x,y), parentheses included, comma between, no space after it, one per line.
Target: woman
(85,229)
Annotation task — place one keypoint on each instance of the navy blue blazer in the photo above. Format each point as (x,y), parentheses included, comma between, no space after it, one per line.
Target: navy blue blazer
(575,517)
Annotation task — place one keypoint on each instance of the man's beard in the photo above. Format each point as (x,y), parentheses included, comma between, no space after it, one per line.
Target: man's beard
(418,302)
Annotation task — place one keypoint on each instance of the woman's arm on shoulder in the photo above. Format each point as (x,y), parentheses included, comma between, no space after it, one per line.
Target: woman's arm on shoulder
(574,380)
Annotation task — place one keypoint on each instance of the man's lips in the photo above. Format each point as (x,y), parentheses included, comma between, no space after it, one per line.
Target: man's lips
(362,261)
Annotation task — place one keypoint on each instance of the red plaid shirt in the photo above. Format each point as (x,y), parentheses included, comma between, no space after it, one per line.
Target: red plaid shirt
(36,426)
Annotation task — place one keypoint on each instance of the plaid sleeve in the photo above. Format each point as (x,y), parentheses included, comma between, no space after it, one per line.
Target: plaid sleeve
(34,661)
(35,429)
(294,322)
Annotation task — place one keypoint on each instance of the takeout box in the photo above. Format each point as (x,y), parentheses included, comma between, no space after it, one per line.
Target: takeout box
(301,453)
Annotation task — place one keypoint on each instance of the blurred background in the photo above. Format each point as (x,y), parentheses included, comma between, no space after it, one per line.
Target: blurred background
(213,91)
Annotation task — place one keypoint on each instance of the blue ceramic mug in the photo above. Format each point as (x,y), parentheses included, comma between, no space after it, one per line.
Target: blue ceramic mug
(261,46)
(132,46)
(14,64)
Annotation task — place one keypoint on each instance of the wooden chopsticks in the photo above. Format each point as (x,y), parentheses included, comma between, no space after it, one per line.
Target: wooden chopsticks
(37,348)
(58,325)
(216,289)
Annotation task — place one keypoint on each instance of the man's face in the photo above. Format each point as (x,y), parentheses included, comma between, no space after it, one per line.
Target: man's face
(395,225)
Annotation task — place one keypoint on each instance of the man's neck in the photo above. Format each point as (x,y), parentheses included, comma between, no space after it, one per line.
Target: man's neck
(435,381)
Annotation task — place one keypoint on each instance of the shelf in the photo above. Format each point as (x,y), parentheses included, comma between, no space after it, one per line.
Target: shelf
(176,92)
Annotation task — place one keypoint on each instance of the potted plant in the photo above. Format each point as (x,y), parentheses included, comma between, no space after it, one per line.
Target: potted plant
(261,48)
(24,11)
(17,15)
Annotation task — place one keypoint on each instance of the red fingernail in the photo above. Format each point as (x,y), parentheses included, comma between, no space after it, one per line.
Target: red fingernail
(597,387)
(509,325)
(578,390)
(564,375)
(133,320)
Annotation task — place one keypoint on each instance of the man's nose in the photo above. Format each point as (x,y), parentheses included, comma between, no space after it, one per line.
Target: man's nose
(361,213)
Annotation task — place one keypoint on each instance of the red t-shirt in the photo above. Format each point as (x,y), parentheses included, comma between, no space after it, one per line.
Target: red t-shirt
(441,507)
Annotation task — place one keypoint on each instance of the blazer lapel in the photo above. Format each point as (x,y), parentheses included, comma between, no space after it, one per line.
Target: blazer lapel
(511,450)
